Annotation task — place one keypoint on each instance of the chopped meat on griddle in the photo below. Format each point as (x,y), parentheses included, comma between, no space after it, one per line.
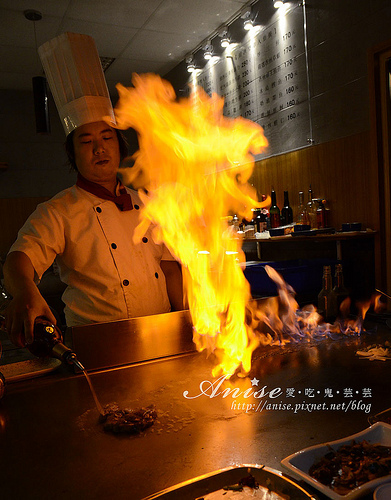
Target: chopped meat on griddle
(127,421)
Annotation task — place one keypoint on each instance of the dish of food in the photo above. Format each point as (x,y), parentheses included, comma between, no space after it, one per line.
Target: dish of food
(360,475)
(236,483)
(246,493)
(352,465)
(247,487)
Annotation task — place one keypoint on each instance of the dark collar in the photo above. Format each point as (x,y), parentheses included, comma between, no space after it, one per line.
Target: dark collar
(123,200)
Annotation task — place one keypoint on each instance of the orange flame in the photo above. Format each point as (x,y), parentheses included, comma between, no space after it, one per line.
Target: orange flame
(198,163)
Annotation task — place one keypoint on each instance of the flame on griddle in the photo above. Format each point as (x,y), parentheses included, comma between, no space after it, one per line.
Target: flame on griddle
(196,165)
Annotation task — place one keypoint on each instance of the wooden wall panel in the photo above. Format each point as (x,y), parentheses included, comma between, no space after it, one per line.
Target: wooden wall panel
(339,171)
(13,214)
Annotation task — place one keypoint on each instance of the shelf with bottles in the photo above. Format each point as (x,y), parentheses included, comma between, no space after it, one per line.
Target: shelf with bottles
(312,216)
(308,219)
(312,234)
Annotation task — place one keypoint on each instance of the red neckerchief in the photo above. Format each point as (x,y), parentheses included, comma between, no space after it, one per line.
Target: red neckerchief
(123,201)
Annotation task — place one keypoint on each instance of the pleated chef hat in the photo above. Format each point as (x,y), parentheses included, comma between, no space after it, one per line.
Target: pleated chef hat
(75,75)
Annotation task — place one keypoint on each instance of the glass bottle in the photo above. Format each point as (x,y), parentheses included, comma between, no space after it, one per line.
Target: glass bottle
(302,214)
(47,337)
(327,300)
(311,209)
(339,289)
(326,213)
(286,212)
(274,212)
(235,223)
(260,222)
(321,214)
(265,212)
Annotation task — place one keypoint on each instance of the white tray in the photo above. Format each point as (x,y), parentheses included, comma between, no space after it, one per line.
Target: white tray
(299,463)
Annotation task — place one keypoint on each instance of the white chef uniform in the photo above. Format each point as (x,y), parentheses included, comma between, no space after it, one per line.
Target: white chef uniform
(108,277)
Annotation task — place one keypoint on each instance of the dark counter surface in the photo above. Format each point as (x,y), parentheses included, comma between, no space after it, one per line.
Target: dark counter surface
(53,447)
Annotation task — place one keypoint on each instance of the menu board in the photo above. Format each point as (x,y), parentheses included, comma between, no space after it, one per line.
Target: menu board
(265,80)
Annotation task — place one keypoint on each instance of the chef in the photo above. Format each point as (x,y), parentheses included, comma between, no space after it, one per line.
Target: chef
(88,228)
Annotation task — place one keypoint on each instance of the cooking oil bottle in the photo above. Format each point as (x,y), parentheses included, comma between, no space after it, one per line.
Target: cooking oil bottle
(47,337)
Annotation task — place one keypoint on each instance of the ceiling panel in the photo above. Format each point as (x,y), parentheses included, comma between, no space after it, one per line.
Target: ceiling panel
(133,13)
(142,35)
(188,16)
(157,46)
(110,40)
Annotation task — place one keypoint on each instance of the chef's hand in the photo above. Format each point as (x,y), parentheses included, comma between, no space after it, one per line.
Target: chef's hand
(27,303)
(21,314)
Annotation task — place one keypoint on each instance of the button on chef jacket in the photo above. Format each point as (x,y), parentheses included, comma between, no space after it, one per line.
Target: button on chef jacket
(108,276)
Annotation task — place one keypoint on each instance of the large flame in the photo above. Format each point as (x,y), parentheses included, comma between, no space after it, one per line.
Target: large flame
(197,163)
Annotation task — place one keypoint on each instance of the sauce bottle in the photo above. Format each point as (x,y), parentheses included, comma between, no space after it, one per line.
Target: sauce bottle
(274,212)
(286,212)
(321,214)
(311,209)
(302,214)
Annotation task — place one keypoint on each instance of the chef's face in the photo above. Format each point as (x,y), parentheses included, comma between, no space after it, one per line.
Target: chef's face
(97,153)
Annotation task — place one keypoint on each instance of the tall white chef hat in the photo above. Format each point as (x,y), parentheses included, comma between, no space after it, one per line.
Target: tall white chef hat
(76,80)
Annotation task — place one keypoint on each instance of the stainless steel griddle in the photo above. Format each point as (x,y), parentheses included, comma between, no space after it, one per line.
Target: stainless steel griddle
(52,446)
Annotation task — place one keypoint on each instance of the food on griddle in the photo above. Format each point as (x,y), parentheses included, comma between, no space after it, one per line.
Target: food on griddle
(352,465)
(376,352)
(127,421)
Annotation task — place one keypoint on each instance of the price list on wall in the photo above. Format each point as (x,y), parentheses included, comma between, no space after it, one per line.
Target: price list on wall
(265,80)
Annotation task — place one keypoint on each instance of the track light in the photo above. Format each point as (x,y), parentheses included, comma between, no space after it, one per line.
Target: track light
(248,21)
(208,50)
(225,38)
(278,3)
(225,42)
(191,67)
(248,24)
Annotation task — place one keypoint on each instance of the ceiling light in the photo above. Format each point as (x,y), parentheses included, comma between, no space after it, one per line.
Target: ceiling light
(191,67)
(208,50)
(225,42)
(225,38)
(278,3)
(248,24)
(248,21)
